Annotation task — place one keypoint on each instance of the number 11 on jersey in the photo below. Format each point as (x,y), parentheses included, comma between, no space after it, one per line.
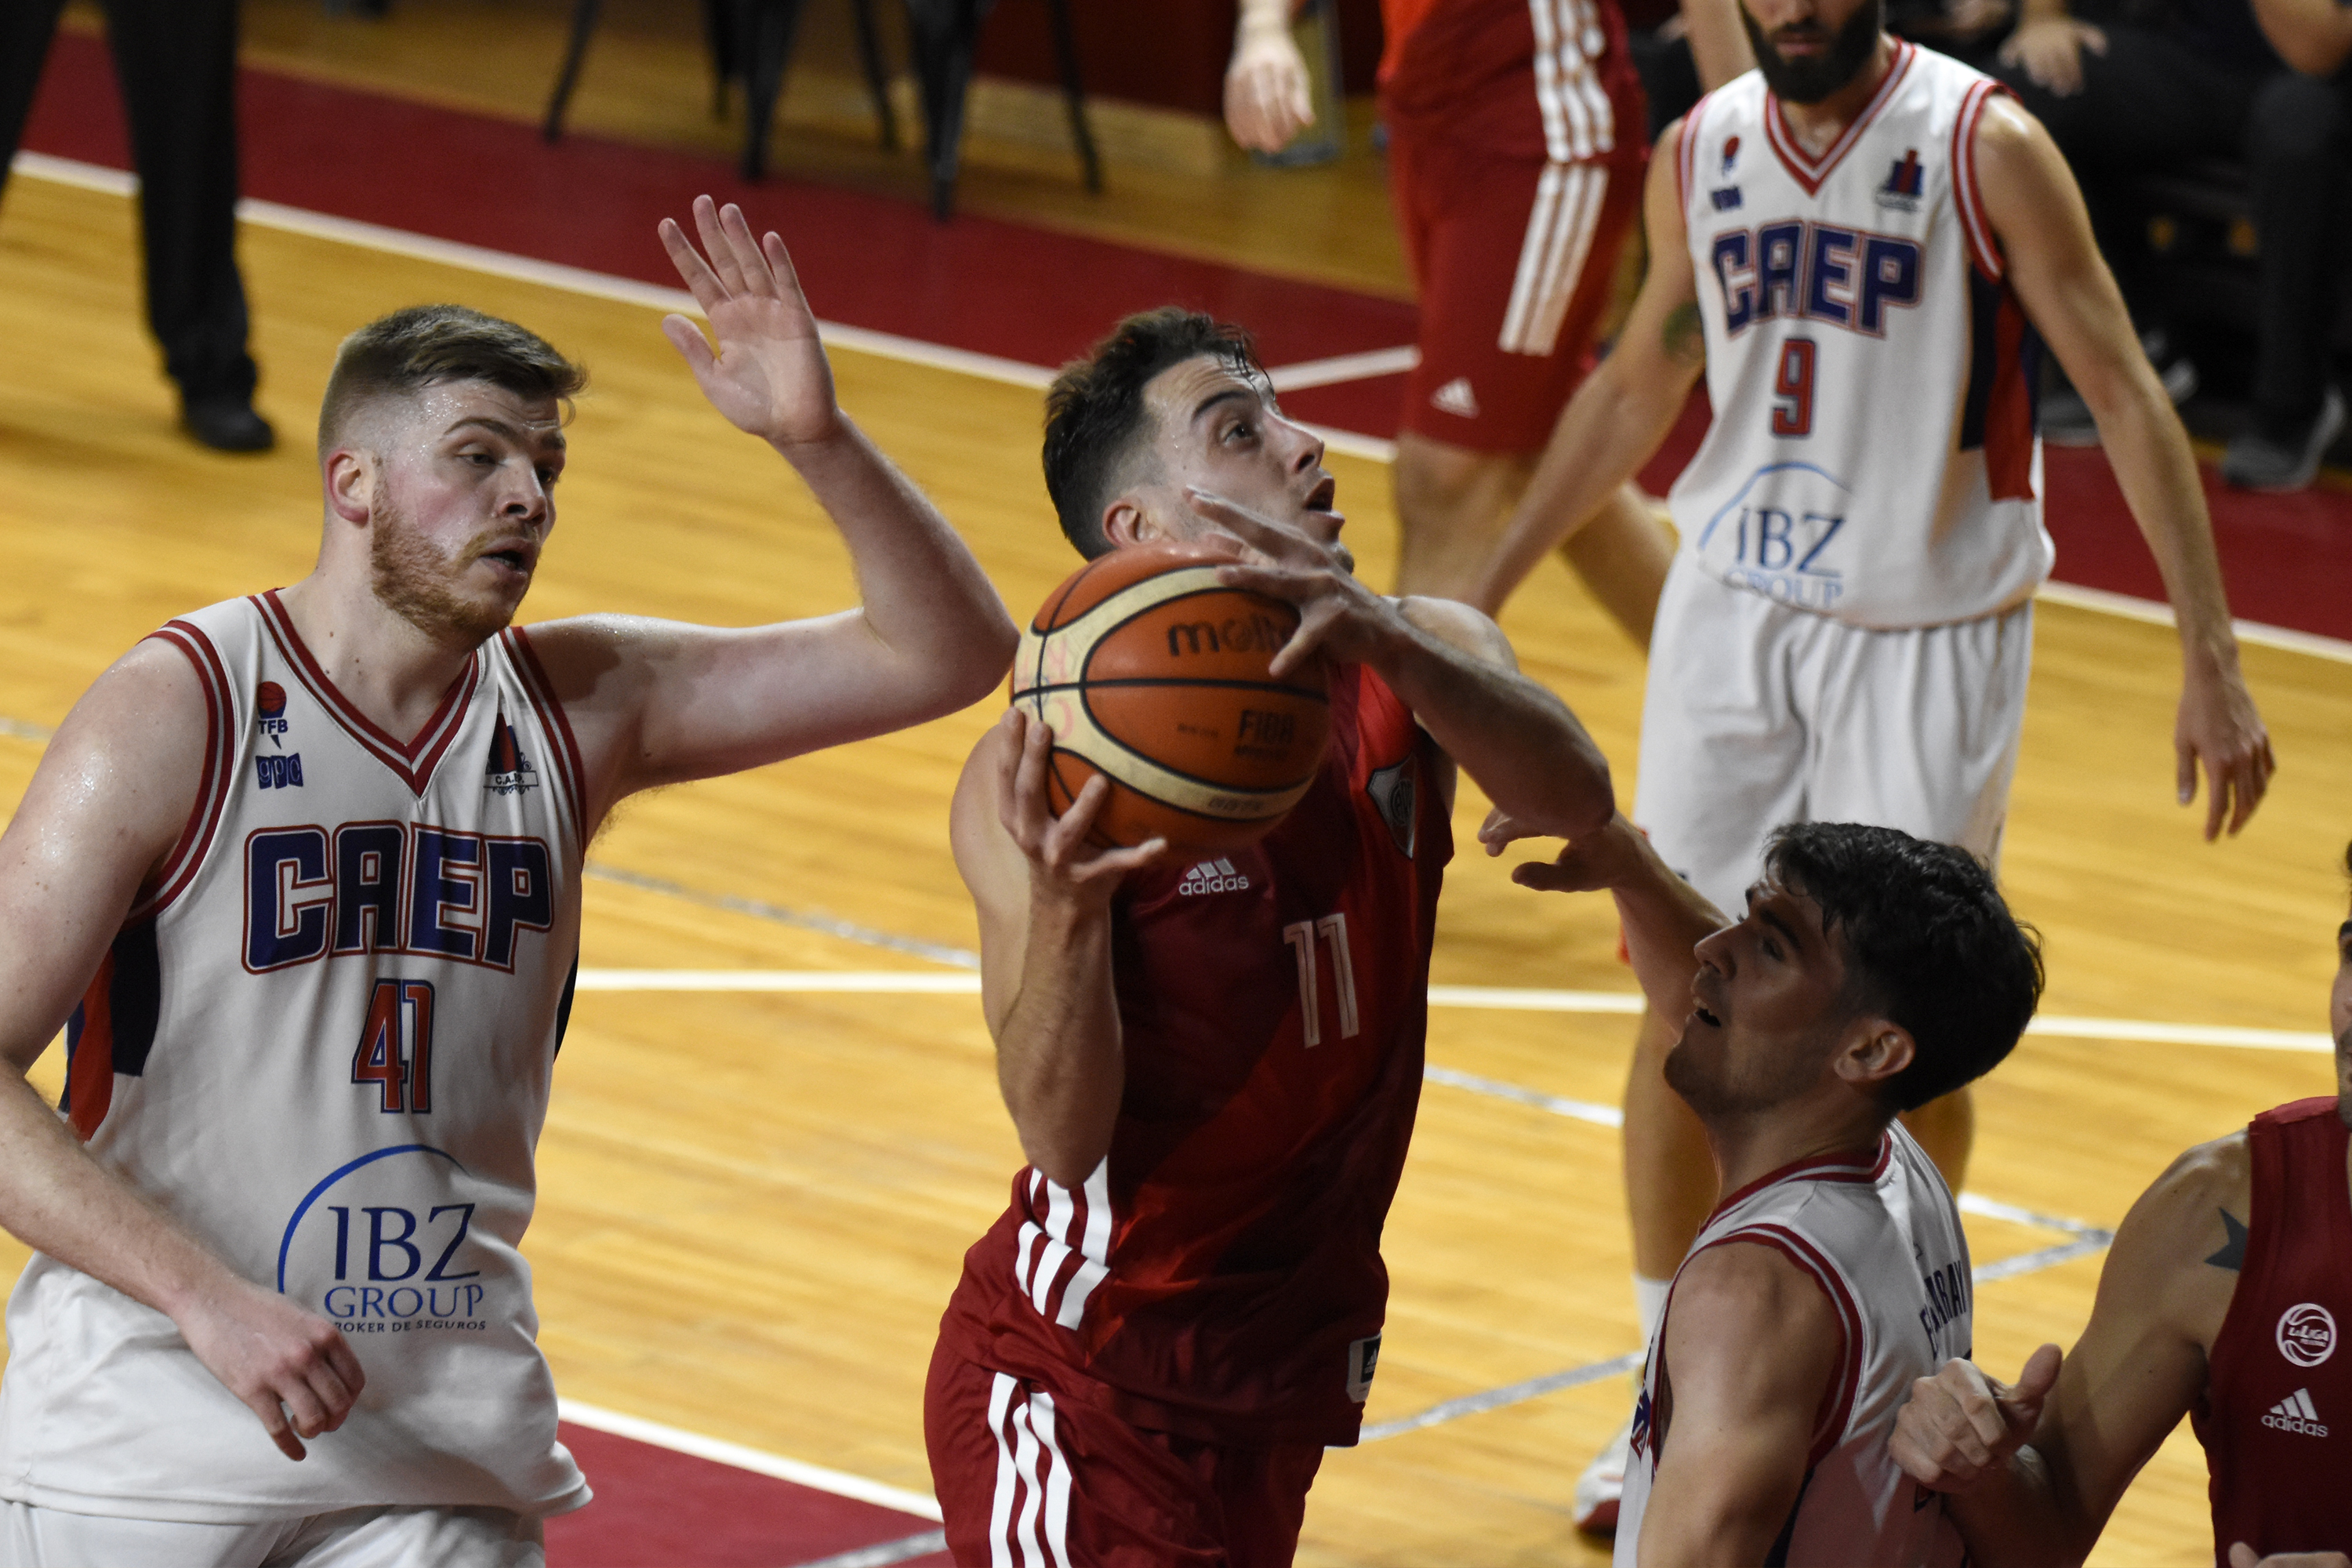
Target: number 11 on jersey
(1301,935)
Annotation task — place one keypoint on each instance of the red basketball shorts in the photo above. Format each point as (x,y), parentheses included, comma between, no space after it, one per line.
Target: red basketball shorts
(1030,1477)
(1515,260)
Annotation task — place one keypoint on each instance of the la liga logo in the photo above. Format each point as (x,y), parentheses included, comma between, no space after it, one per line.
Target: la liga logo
(2306,1334)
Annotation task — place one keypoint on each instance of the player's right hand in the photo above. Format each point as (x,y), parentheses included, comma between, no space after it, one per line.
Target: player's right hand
(2050,51)
(1959,1424)
(1061,862)
(1267,99)
(292,1368)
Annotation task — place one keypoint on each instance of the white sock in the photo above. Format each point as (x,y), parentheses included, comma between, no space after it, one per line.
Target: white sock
(1650,1301)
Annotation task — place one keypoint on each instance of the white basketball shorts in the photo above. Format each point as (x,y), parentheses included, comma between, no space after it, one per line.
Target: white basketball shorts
(350,1538)
(1758,714)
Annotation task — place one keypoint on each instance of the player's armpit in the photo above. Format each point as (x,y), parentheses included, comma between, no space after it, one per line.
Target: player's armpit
(1750,1346)
(110,799)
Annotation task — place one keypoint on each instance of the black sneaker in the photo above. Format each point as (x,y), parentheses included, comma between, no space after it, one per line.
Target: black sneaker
(226,423)
(2257,461)
(2066,419)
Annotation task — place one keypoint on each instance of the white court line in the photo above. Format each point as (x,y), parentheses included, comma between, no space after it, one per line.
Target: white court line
(840,1483)
(1618,1002)
(936,356)
(1342,367)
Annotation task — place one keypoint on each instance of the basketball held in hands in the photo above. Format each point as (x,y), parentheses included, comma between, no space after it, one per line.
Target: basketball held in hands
(1151,672)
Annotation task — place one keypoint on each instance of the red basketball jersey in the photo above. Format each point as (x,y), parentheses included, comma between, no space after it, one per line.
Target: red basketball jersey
(1525,79)
(1219,1276)
(2277,1418)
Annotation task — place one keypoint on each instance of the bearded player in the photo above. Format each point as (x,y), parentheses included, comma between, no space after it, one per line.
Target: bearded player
(1872,972)
(1859,243)
(311,863)
(1212,1068)
(2226,1297)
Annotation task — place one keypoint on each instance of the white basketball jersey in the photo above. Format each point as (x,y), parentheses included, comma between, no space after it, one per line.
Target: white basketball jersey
(1872,455)
(1883,1239)
(323,1045)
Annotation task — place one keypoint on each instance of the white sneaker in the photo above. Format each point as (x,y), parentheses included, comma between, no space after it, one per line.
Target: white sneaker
(1602,1484)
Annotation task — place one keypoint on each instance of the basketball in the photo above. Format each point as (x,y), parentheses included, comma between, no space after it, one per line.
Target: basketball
(1155,674)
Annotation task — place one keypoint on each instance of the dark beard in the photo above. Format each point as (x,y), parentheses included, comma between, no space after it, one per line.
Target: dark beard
(1812,80)
(409,581)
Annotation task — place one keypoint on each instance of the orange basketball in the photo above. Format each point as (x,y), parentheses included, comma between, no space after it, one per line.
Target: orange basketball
(1152,672)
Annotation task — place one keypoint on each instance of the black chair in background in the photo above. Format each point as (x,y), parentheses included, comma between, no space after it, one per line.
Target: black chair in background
(752,41)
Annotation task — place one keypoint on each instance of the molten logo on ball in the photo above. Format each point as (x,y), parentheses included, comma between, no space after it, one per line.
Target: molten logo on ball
(1153,673)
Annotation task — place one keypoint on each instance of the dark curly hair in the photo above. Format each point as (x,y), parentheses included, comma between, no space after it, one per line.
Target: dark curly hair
(1095,412)
(1929,942)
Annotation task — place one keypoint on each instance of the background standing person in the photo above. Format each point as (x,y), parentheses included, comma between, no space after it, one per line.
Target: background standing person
(1857,243)
(176,61)
(310,861)
(1516,145)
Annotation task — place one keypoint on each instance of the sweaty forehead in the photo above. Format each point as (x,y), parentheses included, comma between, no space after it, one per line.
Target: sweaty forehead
(1176,393)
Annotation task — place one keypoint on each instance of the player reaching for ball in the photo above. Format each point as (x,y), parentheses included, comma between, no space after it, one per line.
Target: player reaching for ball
(310,861)
(1213,1066)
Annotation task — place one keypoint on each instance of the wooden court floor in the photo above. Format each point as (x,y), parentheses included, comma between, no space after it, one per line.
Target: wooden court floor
(754,1206)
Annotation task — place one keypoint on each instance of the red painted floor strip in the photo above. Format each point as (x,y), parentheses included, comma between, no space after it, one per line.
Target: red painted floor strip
(1002,287)
(657,1508)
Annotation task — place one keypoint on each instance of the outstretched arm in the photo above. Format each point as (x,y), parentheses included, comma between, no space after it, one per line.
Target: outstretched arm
(1449,663)
(658,703)
(1625,406)
(2053,264)
(1044,897)
(1749,1345)
(1663,917)
(104,808)
(2032,1472)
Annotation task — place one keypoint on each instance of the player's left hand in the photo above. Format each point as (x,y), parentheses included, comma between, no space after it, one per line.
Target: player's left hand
(1338,615)
(1589,865)
(769,376)
(2218,726)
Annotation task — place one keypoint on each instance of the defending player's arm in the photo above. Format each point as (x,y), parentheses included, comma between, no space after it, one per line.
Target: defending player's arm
(1043,896)
(1664,918)
(2053,264)
(1750,1345)
(660,703)
(111,797)
(1449,663)
(2139,1366)
(1627,405)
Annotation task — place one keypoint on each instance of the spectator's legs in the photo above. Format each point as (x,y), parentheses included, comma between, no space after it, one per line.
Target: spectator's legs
(2295,143)
(25,28)
(176,60)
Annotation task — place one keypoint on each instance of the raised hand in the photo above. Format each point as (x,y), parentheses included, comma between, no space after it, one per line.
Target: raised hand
(1960,1424)
(1267,100)
(291,1368)
(1338,615)
(770,376)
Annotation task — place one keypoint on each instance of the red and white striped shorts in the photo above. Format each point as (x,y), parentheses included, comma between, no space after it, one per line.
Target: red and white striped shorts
(1032,1477)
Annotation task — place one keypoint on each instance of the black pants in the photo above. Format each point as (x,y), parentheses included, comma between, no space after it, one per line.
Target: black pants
(2152,101)
(176,60)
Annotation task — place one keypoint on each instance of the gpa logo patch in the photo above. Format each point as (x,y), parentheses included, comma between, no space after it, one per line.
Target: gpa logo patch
(269,711)
(2306,1334)
(1391,790)
(508,772)
(1904,182)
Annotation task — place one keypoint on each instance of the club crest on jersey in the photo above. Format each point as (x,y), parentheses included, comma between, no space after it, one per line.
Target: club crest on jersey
(1392,789)
(2306,1334)
(1730,152)
(508,772)
(269,711)
(1901,191)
